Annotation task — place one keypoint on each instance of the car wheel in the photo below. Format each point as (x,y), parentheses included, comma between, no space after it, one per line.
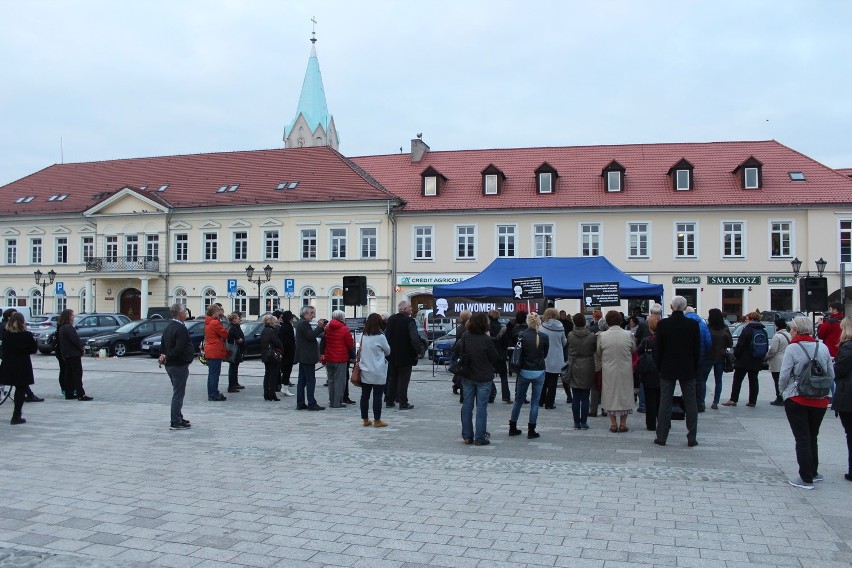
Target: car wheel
(119,349)
(45,351)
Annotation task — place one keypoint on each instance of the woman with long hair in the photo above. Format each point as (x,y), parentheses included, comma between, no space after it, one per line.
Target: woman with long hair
(270,346)
(649,375)
(842,404)
(71,349)
(534,348)
(374,369)
(582,345)
(555,331)
(481,354)
(16,368)
(715,361)
(616,348)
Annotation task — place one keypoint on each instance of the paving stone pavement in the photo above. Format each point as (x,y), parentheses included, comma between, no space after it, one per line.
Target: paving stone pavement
(255,483)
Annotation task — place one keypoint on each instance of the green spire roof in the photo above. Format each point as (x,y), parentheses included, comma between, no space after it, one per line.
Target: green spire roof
(312,100)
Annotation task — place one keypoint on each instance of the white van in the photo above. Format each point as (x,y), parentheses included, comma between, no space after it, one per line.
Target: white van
(21,309)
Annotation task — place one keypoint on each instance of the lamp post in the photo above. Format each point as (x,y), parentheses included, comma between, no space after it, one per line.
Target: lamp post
(267,272)
(51,275)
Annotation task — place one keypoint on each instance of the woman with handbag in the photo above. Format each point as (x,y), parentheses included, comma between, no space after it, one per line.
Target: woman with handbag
(271,350)
(648,374)
(372,364)
(842,403)
(235,350)
(721,340)
(534,346)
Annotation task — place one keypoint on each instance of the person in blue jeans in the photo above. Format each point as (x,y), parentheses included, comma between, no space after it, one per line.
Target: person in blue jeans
(481,355)
(534,347)
(721,340)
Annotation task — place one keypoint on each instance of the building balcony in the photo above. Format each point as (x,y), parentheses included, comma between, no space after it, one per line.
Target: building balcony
(123,264)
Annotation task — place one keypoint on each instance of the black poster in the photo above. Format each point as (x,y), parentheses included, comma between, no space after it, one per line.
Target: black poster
(508,307)
(601,294)
(527,288)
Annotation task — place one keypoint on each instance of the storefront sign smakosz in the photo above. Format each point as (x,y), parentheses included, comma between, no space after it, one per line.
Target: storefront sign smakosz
(734,280)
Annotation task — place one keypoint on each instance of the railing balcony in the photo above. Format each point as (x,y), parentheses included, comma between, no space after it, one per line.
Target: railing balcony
(123,264)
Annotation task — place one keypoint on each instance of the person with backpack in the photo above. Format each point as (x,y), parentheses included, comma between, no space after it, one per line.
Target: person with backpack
(775,356)
(749,353)
(648,374)
(805,382)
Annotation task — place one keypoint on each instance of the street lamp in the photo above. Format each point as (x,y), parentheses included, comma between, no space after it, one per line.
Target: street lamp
(44,284)
(267,272)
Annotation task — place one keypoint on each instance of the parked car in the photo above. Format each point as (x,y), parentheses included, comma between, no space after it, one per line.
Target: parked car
(42,322)
(252,331)
(786,316)
(440,350)
(88,325)
(769,326)
(126,339)
(151,344)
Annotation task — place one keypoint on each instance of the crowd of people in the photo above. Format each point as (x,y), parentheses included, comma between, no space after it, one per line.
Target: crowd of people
(607,364)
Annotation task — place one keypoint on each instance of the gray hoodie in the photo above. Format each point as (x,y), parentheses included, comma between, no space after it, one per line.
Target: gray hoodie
(555,332)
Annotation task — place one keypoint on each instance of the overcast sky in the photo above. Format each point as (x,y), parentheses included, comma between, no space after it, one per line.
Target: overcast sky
(115,79)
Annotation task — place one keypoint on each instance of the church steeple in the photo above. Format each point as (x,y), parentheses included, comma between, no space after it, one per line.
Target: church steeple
(312,125)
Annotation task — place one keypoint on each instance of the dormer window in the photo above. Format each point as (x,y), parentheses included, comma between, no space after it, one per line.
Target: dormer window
(545,177)
(751,173)
(613,175)
(681,174)
(432,182)
(492,180)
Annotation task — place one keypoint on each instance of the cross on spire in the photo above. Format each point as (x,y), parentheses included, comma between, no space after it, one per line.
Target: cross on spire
(313,29)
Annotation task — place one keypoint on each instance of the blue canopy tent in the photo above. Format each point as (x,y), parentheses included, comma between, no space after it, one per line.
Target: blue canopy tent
(562,278)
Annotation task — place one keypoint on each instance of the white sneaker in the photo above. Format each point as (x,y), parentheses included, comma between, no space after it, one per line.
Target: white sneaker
(797,482)
(286,392)
(818,477)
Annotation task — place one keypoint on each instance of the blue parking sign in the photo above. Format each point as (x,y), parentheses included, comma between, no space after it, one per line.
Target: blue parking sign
(232,285)
(60,288)
(289,285)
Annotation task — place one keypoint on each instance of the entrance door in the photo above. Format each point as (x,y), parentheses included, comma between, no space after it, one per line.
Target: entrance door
(422,302)
(131,303)
(732,304)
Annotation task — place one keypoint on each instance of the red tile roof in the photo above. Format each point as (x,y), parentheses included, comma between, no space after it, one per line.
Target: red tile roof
(580,183)
(323,174)
(845,171)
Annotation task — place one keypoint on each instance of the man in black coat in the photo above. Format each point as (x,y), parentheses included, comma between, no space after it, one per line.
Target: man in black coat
(678,358)
(404,341)
(307,355)
(176,353)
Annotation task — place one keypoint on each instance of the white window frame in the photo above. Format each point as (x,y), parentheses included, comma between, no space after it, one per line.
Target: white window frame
(342,252)
(470,241)
(111,248)
(335,300)
(430,186)
(11,256)
(240,243)
(181,247)
(152,247)
(847,257)
(271,299)
(210,253)
(305,238)
(544,234)
(37,302)
(756,173)
(741,232)
(131,247)
(239,303)
(61,249)
(678,185)
(610,186)
(545,176)
(512,235)
(208,297)
(637,234)
(87,248)
(693,232)
(790,236)
(36,250)
(370,242)
(427,237)
(581,238)
(491,184)
(271,244)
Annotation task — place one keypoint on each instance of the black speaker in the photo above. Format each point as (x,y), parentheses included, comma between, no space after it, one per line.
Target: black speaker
(354,290)
(813,293)
(253,307)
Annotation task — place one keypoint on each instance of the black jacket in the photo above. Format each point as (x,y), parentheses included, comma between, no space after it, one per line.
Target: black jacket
(678,350)
(176,345)
(69,342)
(532,356)
(235,333)
(269,339)
(16,369)
(288,339)
(500,335)
(843,378)
(650,377)
(404,341)
(742,350)
(481,355)
(307,348)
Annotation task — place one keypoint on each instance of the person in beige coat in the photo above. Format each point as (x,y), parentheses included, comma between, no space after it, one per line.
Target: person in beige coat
(616,347)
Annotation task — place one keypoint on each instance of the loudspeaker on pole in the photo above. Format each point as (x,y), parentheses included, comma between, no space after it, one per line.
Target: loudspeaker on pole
(813,293)
(354,290)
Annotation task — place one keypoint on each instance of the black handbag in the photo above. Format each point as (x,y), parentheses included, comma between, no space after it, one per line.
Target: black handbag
(459,362)
(729,363)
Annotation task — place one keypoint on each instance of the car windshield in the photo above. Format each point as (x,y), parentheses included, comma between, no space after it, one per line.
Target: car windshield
(38,319)
(127,328)
(193,324)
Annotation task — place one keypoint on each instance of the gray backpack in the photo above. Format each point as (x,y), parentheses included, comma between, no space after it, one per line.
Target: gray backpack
(812,381)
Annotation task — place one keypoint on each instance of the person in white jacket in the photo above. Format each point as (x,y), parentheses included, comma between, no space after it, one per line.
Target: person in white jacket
(374,369)
(777,346)
(555,360)
(804,414)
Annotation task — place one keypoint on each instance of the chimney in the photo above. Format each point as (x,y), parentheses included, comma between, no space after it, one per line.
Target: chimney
(418,150)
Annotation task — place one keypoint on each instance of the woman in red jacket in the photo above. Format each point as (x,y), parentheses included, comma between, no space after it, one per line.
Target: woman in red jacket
(338,347)
(215,335)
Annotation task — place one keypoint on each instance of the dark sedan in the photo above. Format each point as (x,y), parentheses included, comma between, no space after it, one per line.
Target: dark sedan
(151,344)
(126,339)
(252,331)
